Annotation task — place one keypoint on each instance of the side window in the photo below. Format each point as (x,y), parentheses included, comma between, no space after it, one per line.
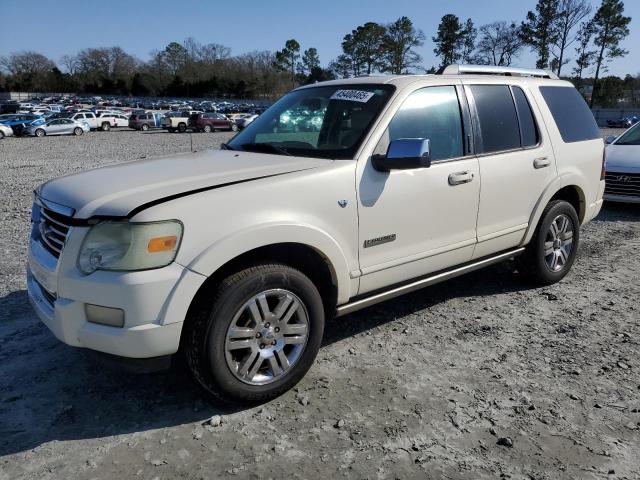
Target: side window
(528,128)
(571,114)
(79,116)
(432,113)
(498,118)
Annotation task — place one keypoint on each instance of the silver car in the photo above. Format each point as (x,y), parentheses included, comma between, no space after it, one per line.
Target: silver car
(5,131)
(623,167)
(58,126)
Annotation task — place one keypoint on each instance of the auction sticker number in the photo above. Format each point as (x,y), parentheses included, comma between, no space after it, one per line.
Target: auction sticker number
(352,95)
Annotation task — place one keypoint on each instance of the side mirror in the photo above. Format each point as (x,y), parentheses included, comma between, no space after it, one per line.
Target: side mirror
(610,139)
(404,154)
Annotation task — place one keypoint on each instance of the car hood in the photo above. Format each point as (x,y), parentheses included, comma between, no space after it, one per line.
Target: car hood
(623,158)
(120,190)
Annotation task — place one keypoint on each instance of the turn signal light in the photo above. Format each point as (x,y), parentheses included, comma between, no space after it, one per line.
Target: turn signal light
(162,244)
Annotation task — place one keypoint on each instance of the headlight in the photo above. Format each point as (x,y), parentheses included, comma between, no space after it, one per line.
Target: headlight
(130,246)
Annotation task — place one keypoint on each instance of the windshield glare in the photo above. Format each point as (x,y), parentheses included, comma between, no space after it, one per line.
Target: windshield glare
(324,122)
(630,137)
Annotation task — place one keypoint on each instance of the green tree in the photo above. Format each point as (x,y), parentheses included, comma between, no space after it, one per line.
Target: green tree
(610,28)
(449,40)
(570,14)
(539,30)
(310,60)
(287,58)
(469,35)
(399,46)
(362,49)
(584,54)
(174,57)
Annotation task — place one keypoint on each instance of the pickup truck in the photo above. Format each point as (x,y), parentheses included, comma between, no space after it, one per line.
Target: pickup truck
(94,122)
(178,121)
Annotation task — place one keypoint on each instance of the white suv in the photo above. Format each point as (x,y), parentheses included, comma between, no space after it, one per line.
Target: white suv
(341,195)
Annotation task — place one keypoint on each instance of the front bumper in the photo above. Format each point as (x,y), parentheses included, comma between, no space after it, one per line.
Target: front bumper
(155,303)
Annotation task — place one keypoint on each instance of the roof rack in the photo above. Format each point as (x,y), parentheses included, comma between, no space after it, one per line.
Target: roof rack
(492,70)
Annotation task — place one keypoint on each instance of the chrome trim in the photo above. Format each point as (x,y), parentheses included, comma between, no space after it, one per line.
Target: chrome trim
(53,220)
(424,282)
(496,70)
(55,207)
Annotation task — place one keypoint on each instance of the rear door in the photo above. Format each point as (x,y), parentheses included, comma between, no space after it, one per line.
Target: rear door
(516,161)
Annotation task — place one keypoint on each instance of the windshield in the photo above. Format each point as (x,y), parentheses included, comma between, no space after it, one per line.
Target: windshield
(324,122)
(630,137)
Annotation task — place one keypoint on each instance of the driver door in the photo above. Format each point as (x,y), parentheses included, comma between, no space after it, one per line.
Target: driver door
(414,222)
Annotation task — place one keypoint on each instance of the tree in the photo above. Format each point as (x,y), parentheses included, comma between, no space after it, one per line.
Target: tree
(362,50)
(399,46)
(584,54)
(175,57)
(469,35)
(29,70)
(310,60)
(449,40)
(499,44)
(570,14)
(287,58)
(610,28)
(539,30)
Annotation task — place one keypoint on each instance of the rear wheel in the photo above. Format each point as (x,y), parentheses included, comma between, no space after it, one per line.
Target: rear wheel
(206,129)
(234,127)
(40,133)
(144,127)
(182,127)
(1,134)
(258,336)
(106,127)
(77,131)
(554,246)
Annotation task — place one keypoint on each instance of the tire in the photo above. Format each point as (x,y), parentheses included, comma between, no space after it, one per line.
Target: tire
(553,248)
(40,132)
(1,134)
(207,129)
(144,127)
(234,127)
(77,131)
(182,127)
(105,127)
(219,369)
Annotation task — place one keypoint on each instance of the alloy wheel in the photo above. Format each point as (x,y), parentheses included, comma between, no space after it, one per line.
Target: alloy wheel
(266,337)
(558,243)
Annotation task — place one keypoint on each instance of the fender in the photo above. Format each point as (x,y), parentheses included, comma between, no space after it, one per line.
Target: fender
(227,248)
(554,187)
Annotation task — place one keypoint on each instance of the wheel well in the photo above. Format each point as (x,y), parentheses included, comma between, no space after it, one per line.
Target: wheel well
(573,195)
(301,257)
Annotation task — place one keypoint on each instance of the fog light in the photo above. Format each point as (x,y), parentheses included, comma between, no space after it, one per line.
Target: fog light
(114,317)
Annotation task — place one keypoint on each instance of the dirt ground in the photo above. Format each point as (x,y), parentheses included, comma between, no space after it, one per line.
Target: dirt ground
(479,377)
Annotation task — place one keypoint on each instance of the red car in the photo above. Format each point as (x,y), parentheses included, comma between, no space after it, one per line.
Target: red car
(209,122)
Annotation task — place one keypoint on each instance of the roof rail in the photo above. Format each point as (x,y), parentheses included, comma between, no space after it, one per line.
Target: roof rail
(495,70)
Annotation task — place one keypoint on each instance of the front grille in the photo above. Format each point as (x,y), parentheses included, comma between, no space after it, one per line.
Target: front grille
(625,184)
(53,228)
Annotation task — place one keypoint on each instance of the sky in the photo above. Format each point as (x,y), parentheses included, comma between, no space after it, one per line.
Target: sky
(59,27)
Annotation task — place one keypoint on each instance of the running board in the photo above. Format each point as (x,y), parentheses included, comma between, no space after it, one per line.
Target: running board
(424,282)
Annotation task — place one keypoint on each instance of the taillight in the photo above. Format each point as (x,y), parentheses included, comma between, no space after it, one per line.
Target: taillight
(604,156)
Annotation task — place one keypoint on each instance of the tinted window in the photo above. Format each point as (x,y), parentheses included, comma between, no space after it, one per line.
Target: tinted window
(498,119)
(571,114)
(528,128)
(630,137)
(432,113)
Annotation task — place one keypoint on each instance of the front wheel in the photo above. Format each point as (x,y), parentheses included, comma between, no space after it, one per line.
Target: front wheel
(77,131)
(206,129)
(182,128)
(553,248)
(234,127)
(258,336)
(106,127)
(40,133)
(144,127)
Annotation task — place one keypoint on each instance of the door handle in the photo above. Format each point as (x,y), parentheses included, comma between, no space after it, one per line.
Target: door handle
(459,178)
(541,162)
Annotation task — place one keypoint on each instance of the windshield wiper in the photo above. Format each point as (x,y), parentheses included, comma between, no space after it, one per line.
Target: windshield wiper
(258,147)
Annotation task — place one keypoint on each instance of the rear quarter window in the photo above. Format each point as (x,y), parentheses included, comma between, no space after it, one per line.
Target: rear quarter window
(571,114)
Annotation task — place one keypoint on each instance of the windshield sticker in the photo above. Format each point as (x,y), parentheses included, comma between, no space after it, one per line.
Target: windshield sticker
(353,95)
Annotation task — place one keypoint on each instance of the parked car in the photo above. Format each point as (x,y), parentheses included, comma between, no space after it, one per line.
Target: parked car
(58,126)
(145,120)
(92,120)
(19,121)
(5,131)
(209,122)
(623,122)
(245,120)
(238,257)
(178,120)
(623,167)
(9,107)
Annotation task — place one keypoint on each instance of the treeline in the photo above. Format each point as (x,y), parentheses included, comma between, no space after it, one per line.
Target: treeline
(559,32)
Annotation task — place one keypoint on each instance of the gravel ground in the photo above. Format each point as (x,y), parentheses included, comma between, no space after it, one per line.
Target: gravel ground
(480,377)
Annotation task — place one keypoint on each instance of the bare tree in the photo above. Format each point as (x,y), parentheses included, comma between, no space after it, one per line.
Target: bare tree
(69,63)
(570,14)
(500,43)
